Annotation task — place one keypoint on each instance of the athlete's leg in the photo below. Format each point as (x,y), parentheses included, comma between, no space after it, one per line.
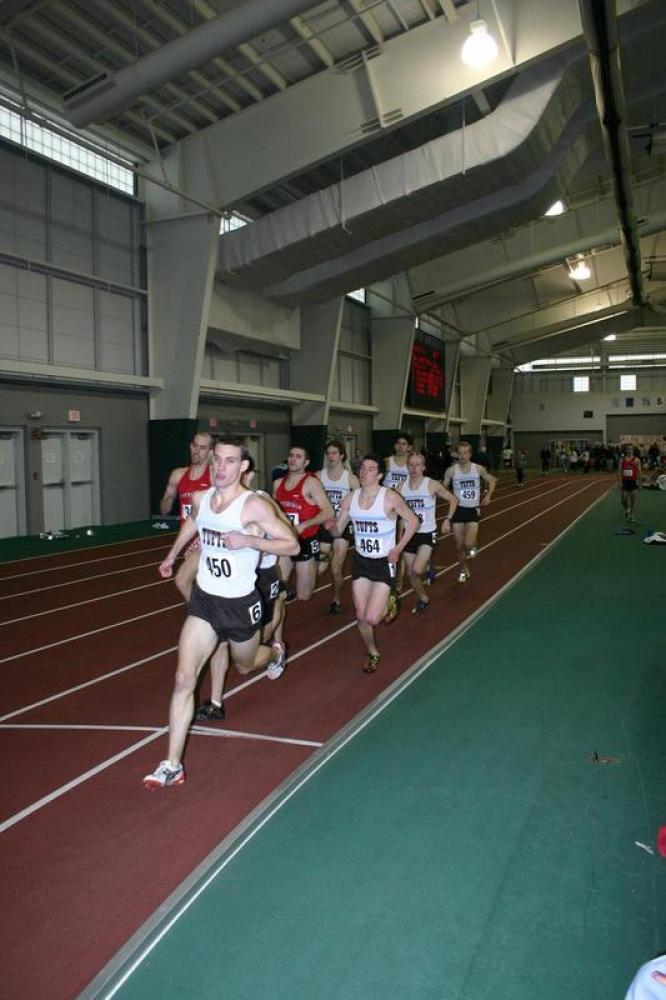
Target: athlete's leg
(471,538)
(361,590)
(197,641)
(244,654)
(340,547)
(417,564)
(324,557)
(306,577)
(461,550)
(186,574)
(286,565)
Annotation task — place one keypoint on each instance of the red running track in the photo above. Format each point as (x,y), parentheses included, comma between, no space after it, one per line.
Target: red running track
(87,854)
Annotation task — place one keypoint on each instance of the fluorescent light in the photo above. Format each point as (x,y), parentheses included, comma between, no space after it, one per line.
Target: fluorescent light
(557,208)
(636,357)
(611,336)
(480,48)
(580,271)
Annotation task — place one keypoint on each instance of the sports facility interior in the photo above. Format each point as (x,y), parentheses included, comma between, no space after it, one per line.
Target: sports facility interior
(287,223)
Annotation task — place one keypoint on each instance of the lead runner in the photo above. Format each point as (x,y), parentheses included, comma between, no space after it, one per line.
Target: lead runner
(374,511)
(235,526)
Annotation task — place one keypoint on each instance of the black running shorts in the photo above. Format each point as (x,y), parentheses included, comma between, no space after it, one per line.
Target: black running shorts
(466,515)
(231,618)
(428,538)
(309,549)
(376,570)
(269,586)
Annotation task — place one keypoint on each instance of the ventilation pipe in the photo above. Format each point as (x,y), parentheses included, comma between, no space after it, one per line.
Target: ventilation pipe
(599,22)
(99,99)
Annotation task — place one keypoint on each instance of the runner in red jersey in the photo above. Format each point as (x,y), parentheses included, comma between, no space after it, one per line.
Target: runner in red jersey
(630,481)
(303,499)
(183,483)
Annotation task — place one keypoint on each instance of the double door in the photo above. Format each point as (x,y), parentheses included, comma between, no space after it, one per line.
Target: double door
(12,483)
(70,479)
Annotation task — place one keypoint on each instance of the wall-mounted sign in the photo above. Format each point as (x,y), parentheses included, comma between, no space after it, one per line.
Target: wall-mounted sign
(425,388)
(74,416)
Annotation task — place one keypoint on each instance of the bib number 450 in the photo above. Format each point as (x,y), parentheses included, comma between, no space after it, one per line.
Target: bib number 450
(218,567)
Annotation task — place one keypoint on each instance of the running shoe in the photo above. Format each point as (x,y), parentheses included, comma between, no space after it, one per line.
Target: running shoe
(463,576)
(472,550)
(392,610)
(335,608)
(430,575)
(209,712)
(290,595)
(420,607)
(276,667)
(371,663)
(164,776)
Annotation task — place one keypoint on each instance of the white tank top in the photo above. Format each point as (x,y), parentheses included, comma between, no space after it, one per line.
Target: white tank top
(336,489)
(422,502)
(396,474)
(374,532)
(467,486)
(224,572)
(266,559)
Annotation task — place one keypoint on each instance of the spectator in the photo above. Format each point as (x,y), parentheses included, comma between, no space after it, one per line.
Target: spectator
(507,455)
(545,456)
(564,460)
(573,460)
(585,459)
(520,464)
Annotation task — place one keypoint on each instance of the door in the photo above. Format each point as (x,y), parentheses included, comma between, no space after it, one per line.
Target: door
(12,486)
(255,445)
(70,479)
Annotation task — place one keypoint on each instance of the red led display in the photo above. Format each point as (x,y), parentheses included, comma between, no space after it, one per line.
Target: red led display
(426,376)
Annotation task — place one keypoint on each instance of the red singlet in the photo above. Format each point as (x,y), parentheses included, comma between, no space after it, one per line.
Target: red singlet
(295,506)
(629,469)
(186,487)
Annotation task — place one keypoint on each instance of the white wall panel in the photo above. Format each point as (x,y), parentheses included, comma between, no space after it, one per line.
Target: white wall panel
(73,324)
(116,326)
(23,314)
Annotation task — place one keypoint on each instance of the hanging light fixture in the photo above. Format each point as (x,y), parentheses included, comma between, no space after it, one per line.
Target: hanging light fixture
(557,208)
(479,48)
(579,271)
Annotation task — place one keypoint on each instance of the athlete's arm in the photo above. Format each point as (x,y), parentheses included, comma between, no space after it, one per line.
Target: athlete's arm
(451,499)
(448,476)
(490,482)
(394,502)
(342,519)
(260,512)
(171,491)
(187,532)
(354,482)
(315,493)
(276,483)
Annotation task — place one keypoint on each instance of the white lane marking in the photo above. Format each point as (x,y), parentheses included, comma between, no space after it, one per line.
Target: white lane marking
(85,635)
(236,733)
(110,729)
(80,579)
(87,684)
(79,604)
(91,548)
(57,792)
(400,686)
(86,562)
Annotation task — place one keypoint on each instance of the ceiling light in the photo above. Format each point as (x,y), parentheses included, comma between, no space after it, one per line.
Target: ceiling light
(480,47)
(557,208)
(579,271)
(611,336)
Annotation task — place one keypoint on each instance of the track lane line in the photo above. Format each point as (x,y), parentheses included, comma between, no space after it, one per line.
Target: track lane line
(80,604)
(80,579)
(89,548)
(86,562)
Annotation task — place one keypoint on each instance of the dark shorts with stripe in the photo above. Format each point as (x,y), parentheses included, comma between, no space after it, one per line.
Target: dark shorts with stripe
(428,538)
(309,549)
(231,618)
(376,570)
(629,485)
(269,586)
(466,515)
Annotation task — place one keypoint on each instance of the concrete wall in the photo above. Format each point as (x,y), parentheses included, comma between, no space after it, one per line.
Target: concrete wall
(271,423)
(121,420)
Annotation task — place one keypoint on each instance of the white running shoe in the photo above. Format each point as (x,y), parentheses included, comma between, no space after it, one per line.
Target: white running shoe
(472,550)
(463,576)
(276,667)
(164,775)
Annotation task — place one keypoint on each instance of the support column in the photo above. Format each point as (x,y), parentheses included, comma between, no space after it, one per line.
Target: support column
(313,370)
(182,254)
(474,375)
(391,357)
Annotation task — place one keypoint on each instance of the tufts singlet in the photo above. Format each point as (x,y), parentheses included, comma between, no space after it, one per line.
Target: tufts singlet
(336,489)
(395,475)
(224,572)
(422,503)
(186,487)
(374,532)
(467,486)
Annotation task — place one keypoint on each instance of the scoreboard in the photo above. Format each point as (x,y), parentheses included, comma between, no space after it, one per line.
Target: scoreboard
(426,385)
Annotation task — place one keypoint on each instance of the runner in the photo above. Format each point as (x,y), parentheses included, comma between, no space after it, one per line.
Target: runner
(337,482)
(420,494)
(465,479)
(273,594)
(301,496)
(374,510)
(630,481)
(182,484)
(396,464)
(235,525)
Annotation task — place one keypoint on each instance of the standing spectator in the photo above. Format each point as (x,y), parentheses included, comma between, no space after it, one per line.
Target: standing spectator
(573,460)
(519,464)
(507,455)
(545,456)
(585,459)
(356,461)
(564,460)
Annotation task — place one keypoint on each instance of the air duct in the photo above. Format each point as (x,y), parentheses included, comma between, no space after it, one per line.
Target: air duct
(177,57)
